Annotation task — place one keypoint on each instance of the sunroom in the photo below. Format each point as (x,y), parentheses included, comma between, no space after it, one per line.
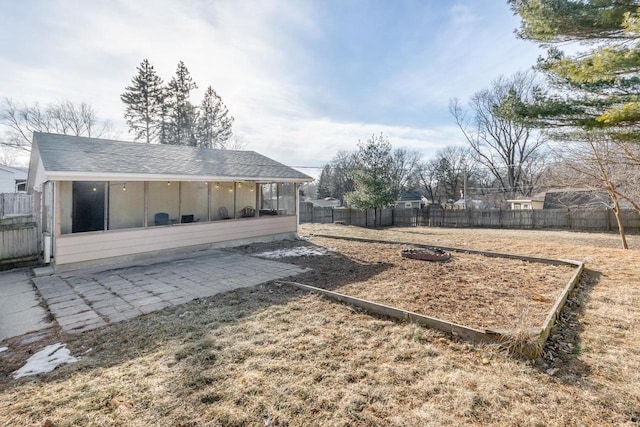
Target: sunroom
(104,199)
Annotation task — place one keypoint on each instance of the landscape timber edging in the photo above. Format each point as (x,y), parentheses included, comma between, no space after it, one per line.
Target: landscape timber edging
(488,335)
(461,250)
(400,314)
(559,304)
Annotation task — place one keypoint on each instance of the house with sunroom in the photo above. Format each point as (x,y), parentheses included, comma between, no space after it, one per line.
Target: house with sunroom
(101,199)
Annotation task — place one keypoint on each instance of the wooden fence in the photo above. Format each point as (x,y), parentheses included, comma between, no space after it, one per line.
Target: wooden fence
(567,219)
(19,240)
(15,204)
(19,235)
(361,218)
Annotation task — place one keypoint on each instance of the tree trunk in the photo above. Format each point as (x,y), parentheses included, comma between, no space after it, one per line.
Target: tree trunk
(618,214)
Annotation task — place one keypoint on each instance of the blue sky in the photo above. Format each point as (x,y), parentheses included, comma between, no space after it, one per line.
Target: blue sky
(303,79)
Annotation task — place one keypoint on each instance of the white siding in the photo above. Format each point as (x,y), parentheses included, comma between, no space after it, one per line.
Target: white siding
(74,248)
(8,178)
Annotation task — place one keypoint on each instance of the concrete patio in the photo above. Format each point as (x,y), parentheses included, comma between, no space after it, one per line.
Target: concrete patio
(20,308)
(85,300)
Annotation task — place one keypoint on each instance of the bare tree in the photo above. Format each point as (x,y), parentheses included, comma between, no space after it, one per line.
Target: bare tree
(342,174)
(8,156)
(428,180)
(63,117)
(405,164)
(500,139)
(595,162)
(443,176)
(238,143)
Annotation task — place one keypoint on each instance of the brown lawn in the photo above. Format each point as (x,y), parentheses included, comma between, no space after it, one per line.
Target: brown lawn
(469,289)
(273,355)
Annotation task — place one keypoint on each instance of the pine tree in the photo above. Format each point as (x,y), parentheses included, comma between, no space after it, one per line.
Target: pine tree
(144,100)
(214,122)
(181,114)
(596,88)
(595,109)
(324,184)
(373,175)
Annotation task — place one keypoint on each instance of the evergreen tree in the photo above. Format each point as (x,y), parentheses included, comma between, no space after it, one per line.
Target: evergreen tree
(595,109)
(181,113)
(324,184)
(597,88)
(144,100)
(373,175)
(214,122)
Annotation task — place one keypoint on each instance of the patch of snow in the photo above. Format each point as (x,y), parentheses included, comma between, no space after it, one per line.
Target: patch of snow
(3,349)
(46,360)
(299,251)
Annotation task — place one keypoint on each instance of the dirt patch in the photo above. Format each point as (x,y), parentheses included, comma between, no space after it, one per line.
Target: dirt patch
(469,289)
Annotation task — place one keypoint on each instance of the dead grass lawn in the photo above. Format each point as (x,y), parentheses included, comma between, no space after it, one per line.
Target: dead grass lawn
(274,355)
(469,289)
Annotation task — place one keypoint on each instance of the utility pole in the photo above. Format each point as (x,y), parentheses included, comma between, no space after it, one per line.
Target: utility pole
(464,188)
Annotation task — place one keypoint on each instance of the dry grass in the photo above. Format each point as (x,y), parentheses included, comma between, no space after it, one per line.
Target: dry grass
(469,289)
(274,354)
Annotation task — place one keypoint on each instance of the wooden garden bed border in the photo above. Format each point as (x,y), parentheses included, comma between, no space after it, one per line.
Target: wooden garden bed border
(476,335)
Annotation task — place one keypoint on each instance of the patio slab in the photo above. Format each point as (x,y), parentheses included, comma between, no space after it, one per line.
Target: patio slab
(20,308)
(82,300)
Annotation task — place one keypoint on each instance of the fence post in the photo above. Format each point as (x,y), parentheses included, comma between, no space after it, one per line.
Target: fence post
(533,219)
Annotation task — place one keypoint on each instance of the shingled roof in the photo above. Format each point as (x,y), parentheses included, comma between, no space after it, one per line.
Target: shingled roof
(83,157)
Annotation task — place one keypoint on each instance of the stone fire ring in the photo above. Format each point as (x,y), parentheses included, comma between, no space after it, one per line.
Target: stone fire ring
(427,254)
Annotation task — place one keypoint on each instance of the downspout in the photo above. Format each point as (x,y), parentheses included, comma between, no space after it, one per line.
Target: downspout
(297,207)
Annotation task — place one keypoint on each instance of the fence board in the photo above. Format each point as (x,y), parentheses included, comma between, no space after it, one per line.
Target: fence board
(15,204)
(18,237)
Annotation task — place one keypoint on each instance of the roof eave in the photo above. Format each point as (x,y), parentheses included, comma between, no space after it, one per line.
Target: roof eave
(104,176)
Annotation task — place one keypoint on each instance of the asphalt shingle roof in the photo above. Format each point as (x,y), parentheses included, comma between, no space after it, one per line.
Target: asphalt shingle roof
(64,153)
(410,196)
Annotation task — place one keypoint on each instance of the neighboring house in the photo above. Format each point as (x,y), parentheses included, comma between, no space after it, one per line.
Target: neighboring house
(470,204)
(328,202)
(409,200)
(526,204)
(103,199)
(13,179)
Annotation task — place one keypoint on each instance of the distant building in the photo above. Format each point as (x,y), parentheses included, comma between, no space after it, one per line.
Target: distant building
(527,204)
(470,204)
(409,200)
(327,202)
(13,179)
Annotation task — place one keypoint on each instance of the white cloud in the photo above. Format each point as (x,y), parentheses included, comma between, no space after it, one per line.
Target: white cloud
(254,55)
(313,142)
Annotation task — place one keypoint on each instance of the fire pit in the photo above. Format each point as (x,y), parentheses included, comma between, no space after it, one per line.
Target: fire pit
(427,254)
